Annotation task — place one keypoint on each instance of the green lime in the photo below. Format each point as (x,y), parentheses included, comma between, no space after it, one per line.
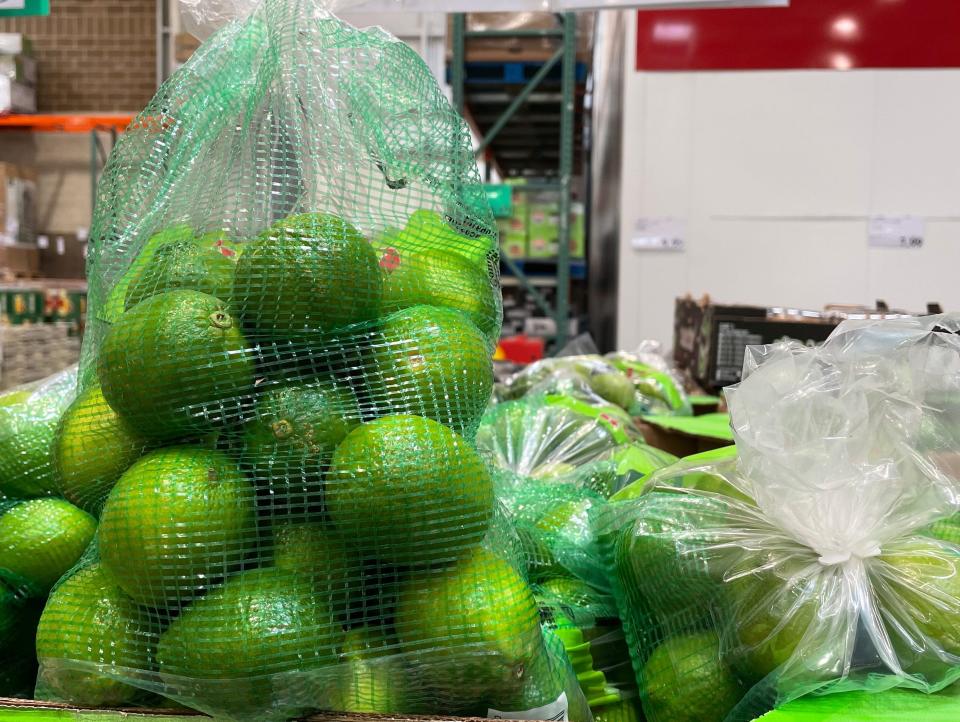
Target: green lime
(90,635)
(199,264)
(431,362)
(289,443)
(685,680)
(176,365)
(175,521)
(770,617)
(374,680)
(311,550)
(472,629)
(92,448)
(614,387)
(410,490)
(116,302)
(228,647)
(28,425)
(416,273)
(927,575)
(308,273)
(41,539)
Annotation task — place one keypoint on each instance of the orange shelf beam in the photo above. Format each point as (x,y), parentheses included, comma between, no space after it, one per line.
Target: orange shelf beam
(66,123)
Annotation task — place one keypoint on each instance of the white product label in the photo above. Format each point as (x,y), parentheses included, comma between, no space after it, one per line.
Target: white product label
(13,4)
(555,711)
(895,232)
(658,234)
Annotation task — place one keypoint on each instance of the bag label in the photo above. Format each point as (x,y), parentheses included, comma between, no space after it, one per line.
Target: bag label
(555,711)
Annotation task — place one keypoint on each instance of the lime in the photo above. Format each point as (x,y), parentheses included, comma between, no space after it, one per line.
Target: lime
(116,302)
(228,647)
(177,519)
(92,448)
(416,272)
(90,634)
(614,387)
(308,273)
(432,362)
(200,264)
(770,617)
(176,365)
(289,444)
(410,490)
(472,629)
(685,680)
(28,424)
(927,574)
(309,549)
(41,539)
(373,680)
(664,556)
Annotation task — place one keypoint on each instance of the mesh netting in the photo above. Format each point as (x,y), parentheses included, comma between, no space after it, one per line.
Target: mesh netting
(820,557)
(293,297)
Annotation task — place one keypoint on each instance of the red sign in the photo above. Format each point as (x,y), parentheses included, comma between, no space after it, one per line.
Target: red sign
(828,34)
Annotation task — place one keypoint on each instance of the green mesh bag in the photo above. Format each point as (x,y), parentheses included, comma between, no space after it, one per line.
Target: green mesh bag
(29,416)
(293,298)
(820,556)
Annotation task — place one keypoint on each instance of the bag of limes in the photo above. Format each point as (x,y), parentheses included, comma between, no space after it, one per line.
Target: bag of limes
(293,296)
(817,559)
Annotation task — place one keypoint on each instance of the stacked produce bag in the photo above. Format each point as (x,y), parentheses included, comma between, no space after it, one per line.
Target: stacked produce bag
(293,302)
(640,382)
(557,457)
(823,556)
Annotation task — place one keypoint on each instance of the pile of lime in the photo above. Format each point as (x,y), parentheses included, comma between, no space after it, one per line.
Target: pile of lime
(41,536)
(277,441)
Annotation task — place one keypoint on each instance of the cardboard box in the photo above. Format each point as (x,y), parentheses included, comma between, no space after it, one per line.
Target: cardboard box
(18,204)
(513,237)
(710,340)
(16,97)
(19,261)
(62,255)
(682,442)
(543,227)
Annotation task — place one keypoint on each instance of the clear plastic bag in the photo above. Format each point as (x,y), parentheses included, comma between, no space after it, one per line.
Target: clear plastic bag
(806,564)
(545,435)
(659,389)
(809,562)
(293,291)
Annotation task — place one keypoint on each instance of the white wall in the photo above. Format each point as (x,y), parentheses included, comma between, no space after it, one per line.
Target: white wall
(776,174)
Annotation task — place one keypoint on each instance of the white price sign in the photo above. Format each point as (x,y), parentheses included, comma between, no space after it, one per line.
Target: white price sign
(895,232)
(13,4)
(658,234)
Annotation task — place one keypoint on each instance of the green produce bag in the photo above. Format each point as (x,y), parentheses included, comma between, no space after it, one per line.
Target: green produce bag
(814,560)
(293,296)
(586,374)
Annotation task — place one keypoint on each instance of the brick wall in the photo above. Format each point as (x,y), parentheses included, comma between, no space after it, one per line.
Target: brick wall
(93,55)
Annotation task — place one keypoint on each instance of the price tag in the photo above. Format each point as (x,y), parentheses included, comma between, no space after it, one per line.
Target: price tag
(895,232)
(658,234)
(13,4)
